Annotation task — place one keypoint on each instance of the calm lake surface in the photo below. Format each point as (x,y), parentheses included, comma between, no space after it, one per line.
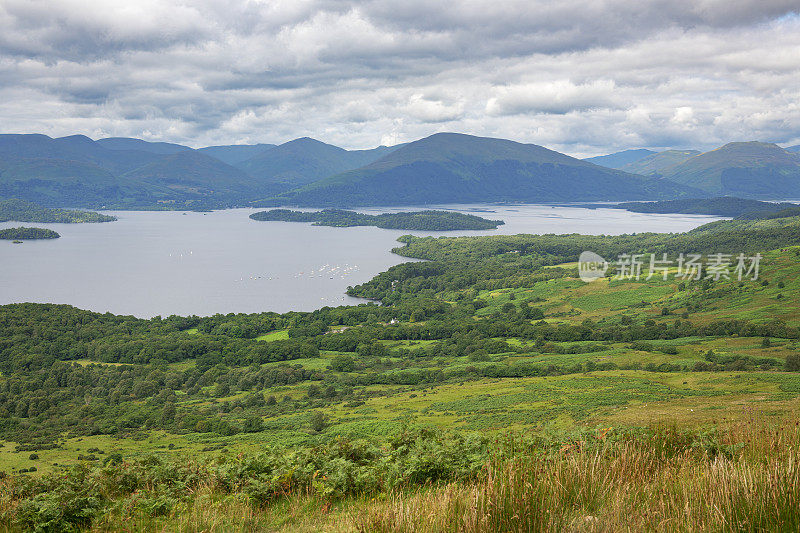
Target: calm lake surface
(162,263)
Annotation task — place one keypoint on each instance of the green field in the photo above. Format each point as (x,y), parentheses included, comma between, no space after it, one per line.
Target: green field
(488,341)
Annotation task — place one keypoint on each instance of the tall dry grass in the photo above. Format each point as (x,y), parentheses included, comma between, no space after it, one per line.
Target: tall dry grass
(748,479)
(744,477)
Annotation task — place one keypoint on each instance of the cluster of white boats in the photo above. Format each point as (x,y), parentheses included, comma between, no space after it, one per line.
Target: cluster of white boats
(329,270)
(326,270)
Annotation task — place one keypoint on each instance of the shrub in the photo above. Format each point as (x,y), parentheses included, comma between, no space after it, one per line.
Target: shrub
(318,421)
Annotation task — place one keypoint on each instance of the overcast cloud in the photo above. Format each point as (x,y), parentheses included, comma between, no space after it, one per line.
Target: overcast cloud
(584,77)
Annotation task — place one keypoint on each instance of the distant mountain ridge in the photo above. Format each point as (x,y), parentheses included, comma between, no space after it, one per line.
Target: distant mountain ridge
(305,160)
(620,159)
(453,167)
(76,171)
(746,169)
(233,154)
(659,163)
(128,143)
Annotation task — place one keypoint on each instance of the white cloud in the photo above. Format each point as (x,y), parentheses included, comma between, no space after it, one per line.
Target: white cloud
(430,110)
(581,77)
(559,97)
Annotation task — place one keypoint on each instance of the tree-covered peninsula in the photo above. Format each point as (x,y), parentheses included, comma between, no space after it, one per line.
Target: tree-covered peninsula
(418,220)
(24,211)
(725,206)
(22,233)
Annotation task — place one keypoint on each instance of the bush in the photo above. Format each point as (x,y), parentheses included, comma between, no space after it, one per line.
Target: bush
(318,421)
(343,363)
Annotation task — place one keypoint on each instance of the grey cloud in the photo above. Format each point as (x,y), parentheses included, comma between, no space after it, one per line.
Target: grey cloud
(583,77)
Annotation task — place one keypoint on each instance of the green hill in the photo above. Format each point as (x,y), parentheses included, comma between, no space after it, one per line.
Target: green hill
(196,175)
(54,182)
(303,161)
(119,172)
(78,148)
(620,159)
(747,169)
(656,164)
(450,167)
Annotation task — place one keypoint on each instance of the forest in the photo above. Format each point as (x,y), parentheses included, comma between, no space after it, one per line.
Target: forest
(725,206)
(23,233)
(466,373)
(417,220)
(24,211)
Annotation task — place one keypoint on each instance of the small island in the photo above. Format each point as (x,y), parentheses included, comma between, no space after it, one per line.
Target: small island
(22,233)
(417,220)
(725,206)
(23,211)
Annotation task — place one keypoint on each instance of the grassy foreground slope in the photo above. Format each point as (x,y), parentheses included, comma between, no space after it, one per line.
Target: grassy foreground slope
(493,390)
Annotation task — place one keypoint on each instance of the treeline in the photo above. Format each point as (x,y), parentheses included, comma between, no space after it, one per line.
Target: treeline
(727,236)
(24,211)
(43,394)
(23,233)
(417,220)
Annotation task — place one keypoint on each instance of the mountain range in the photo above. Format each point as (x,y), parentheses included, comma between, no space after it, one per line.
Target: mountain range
(620,159)
(458,168)
(743,169)
(76,171)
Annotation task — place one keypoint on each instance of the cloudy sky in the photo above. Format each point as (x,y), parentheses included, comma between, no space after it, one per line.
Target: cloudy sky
(583,77)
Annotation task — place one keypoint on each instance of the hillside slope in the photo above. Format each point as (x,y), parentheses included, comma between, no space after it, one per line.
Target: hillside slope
(746,169)
(60,183)
(620,159)
(656,164)
(305,160)
(234,154)
(77,171)
(128,143)
(450,167)
(196,175)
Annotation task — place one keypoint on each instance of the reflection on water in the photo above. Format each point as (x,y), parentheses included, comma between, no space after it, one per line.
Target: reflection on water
(162,263)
